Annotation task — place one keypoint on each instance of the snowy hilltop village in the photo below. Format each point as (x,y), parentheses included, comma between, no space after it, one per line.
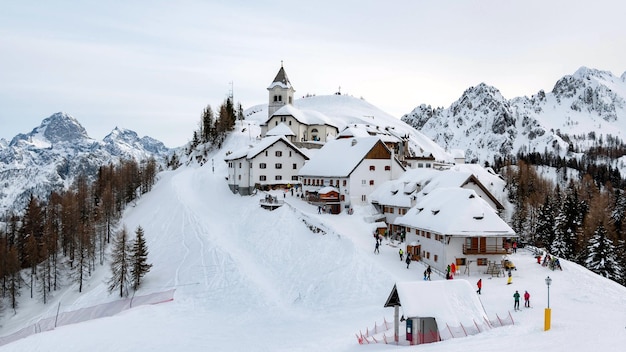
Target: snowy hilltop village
(323,223)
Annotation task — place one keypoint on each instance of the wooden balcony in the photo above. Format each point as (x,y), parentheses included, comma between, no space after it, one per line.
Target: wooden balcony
(485,249)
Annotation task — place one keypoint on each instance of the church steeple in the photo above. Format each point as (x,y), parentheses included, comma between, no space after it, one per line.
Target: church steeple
(280,91)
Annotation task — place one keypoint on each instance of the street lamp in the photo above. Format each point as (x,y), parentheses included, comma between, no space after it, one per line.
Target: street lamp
(548,312)
(548,282)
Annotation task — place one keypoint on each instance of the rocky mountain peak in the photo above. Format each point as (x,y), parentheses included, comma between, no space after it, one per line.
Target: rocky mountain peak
(480,98)
(61,127)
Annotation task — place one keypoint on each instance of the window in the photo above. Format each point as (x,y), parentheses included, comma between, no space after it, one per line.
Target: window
(428,165)
(278,177)
(289,122)
(230,165)
(262,178)
(363,182)
(435,257)
(294,178)
(240,165)
(345,183)
(364,198)
(279,153)
(387,168)
(460,261)
(295,166)
(314,130)
(371,182)
(278,166)
(262,165)
(290,153)
(427,255)
(482,261)
(427,234)
(372,168)
(239,177)
(275,97)
(266,153)
(420,165)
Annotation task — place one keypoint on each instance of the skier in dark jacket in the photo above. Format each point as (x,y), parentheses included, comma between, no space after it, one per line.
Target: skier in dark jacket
(516,297)
(408,261)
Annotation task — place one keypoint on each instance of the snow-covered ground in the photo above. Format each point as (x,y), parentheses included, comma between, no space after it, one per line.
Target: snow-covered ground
(248,279)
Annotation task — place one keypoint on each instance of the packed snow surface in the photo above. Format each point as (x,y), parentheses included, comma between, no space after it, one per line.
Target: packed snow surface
(248,279)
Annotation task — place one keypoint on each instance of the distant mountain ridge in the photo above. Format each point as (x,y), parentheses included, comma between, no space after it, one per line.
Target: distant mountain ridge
(485,124)
(51,155)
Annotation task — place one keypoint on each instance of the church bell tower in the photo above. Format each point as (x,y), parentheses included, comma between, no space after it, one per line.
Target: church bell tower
(280,92)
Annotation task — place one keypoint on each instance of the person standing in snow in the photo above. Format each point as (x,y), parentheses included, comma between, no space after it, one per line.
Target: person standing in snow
(526,299)
(480,285)
(376,248)
(401,254)
(428,270)
(516,297)
(453,269)
(408,261)
(514,246)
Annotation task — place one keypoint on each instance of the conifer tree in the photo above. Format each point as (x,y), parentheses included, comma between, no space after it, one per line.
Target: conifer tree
(120,263)
(545,223)
(602,258)
(208,125)
(139,259)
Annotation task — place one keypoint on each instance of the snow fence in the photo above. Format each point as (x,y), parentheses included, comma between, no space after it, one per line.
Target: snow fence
(383,333)
(89,313)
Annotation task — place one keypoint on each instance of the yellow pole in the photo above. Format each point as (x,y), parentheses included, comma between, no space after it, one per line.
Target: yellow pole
(546,322)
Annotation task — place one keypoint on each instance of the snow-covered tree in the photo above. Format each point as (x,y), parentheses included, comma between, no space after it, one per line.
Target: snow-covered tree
(544,234)
(602,258)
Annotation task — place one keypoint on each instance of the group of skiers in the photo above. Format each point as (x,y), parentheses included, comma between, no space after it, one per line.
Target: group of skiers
(516,297)
(451,270)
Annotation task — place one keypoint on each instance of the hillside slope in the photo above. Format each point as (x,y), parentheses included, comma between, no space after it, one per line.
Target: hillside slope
(250,279)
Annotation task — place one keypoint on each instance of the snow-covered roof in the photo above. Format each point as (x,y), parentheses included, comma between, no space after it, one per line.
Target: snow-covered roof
(280,130)
(265,143)
(457,212)
(327,189)
(339,157)
(359,130)
(281,80)
(307,117)
(452,302)
(398,192)
(446,178)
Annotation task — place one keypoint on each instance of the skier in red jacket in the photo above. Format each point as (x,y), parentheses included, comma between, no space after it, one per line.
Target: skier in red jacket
(526,299)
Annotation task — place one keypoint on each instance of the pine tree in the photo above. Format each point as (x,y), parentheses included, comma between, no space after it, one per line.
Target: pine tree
(139,259)
(120,263)
(545,223)
(208,125)
(602,258)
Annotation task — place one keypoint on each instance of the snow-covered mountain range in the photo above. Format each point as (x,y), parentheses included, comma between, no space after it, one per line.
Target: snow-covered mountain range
(54,153)
(485,124)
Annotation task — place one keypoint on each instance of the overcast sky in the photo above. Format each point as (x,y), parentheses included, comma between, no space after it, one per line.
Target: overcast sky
(152,66)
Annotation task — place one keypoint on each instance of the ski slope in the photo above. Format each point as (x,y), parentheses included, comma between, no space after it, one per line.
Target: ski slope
(248,279)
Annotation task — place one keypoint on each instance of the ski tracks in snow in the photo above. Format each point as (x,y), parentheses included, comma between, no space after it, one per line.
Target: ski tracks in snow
(213,250)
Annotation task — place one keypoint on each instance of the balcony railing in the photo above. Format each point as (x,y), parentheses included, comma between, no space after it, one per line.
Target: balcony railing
(487,249)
